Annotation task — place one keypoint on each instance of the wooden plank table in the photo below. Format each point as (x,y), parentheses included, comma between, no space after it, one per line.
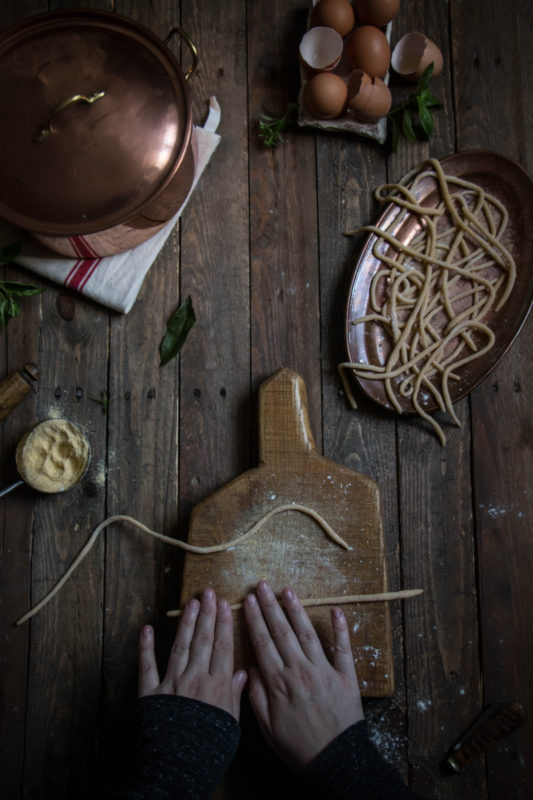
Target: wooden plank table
(261,252)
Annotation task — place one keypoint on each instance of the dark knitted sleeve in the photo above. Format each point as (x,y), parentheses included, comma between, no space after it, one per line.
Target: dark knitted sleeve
(351,768)
(176,749)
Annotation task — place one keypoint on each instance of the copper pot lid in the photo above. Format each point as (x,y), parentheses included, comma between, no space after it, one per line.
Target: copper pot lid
(119,113)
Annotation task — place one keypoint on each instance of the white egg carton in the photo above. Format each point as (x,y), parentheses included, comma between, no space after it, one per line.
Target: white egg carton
(345,123)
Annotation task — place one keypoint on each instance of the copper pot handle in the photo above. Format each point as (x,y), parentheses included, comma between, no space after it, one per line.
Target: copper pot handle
(46,130)
(190,44)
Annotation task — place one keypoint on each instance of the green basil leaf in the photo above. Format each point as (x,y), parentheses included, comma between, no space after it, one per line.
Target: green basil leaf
(433,102)
(395,135)
(429,100)
(13,307)
(407,126)
(177,331)
(9,252)
(424,79)
(20,289)
(9,307)
(426,118)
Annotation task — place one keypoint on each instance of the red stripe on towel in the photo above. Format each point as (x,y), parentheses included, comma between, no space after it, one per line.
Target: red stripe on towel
(81,272)
(82,247)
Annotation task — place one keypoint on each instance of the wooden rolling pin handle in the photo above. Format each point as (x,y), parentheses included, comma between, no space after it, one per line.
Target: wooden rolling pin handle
(15,387)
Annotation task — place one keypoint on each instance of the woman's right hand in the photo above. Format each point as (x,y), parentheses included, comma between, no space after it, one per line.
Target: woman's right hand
(301,700)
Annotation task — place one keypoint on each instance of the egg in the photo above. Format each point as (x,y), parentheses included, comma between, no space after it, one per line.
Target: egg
(368,98)
(368,49)
(320,49)
(336,14)
(325,95)
(413,53)
(375,12)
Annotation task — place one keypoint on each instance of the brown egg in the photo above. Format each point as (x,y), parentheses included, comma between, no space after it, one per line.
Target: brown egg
(413,53)
(368,49)
(375,12)
(368,98)
(336,14)
(325,95)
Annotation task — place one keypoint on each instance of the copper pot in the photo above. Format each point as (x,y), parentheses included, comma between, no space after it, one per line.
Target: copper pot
(95,145)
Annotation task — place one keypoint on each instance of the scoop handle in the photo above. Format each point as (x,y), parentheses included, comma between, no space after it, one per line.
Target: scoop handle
(15,386)
(10,488)
(496,722)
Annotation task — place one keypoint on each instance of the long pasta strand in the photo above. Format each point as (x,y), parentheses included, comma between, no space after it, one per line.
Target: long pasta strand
(216,548)
(432,294)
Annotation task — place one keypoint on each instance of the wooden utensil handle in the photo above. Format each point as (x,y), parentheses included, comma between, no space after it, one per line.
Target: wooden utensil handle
(499,720)
(15,387)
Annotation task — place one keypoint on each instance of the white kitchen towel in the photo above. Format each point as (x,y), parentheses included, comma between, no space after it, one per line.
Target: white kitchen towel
(115,280)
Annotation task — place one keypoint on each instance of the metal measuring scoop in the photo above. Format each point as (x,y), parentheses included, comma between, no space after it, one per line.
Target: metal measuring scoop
(44,453)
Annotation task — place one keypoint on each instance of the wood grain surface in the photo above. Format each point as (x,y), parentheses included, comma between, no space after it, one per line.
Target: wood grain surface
(260,250)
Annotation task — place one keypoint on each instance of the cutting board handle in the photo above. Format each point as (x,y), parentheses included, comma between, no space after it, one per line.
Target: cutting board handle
(283,418)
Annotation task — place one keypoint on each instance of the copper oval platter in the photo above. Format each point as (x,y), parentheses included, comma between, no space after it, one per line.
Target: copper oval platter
(368,342)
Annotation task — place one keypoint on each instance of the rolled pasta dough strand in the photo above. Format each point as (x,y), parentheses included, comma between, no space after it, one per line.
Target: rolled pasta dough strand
(217,548)
(343,599)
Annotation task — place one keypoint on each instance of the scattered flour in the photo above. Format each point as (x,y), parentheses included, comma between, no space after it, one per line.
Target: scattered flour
(496,511)
(390,743)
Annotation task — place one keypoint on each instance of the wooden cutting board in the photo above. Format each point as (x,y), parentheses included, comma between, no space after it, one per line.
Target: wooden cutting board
(292,549)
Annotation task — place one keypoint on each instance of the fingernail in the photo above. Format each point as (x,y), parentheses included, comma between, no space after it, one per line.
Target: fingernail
(147,632)
(192,606)
(289,595)
(263,588)
(241,677)
(250,600)
(337,613)
(209,595)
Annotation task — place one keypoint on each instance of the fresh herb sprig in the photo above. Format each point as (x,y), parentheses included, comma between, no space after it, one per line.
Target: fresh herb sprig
(179,325)
(271,128)
(413,117)
(9,290)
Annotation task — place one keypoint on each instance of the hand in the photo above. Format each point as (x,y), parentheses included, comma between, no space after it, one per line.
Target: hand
(301,701)
(201,660)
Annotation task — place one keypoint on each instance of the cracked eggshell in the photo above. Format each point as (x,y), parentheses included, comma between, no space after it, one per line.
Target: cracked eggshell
(368,49)
(325,95)
(413,53)
(320,50)
(369,99)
